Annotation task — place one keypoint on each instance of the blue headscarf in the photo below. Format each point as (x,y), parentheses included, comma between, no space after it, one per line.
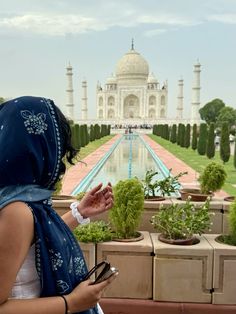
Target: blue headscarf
(30,160)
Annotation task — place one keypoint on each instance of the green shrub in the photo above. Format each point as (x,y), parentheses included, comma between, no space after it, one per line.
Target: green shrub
(194,137)
(224,143)
(95,232)
(231,237)
(210,149)
(201,146)
(128,206)
(212,178)
(182,221)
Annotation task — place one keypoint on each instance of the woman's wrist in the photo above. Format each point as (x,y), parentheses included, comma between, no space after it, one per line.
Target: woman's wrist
(77,215)
(68,304)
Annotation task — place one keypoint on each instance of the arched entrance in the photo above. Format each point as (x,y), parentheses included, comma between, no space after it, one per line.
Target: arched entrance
(131,107)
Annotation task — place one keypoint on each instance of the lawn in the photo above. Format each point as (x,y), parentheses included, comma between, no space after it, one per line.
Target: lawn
(198,163)
(92,146)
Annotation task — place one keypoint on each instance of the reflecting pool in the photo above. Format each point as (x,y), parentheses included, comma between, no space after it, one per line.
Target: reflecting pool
(130,157)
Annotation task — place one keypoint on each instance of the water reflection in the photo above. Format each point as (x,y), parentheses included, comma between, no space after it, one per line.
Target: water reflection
(118,167)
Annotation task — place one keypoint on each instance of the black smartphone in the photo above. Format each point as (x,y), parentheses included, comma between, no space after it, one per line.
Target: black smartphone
(102,272)
(106,275)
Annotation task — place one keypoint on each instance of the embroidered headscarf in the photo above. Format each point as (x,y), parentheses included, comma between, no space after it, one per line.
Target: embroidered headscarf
(30,161)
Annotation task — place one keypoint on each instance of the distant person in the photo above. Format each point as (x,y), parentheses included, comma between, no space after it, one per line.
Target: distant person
(231,138)
(217,140)
(41,263)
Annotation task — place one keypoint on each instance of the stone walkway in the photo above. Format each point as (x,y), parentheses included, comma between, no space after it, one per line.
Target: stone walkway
(77,172)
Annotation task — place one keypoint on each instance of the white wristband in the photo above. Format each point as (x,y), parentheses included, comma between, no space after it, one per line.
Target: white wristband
(76,214)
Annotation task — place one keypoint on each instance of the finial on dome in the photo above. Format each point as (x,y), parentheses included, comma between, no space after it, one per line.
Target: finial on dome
(132,44)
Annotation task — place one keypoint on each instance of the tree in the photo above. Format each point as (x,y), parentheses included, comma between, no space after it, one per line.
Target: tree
(210,149)
(182,135)
(91,135)
(194,137)
(211,110)
(224,143)
(173,133)
(201,147)
(187,136)
(178,134)
(235,153)
(227,114)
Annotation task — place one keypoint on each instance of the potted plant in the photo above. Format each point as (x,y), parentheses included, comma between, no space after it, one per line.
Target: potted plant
(129,244)
(224,248)
(212,179)
(128,206)
(183,258)
(178,223)
(230,238)
(95,231)
(157,189)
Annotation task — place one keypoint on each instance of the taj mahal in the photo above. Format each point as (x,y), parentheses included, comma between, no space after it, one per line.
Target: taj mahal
(133,95)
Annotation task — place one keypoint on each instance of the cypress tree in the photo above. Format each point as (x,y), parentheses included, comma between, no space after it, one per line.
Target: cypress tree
(97,131)
(73,139)
(201,147)
(235,153)
(86,134)
(173,133)
(167,132)
(109,130)
(194,137)
(77,143)
(178,134)
(182,135)
(82,136)
(91,133)
(224,143)
(187,136)
(210,149)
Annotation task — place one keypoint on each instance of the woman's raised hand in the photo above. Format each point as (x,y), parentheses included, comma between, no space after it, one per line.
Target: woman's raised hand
(96,201)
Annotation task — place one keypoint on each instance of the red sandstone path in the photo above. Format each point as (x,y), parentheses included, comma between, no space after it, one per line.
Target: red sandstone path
(76,173)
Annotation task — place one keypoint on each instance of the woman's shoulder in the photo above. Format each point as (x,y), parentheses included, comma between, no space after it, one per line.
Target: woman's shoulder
(16,218)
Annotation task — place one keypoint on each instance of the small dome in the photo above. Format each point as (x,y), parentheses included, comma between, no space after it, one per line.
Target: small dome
(132,65)
(111,80)
(152,79)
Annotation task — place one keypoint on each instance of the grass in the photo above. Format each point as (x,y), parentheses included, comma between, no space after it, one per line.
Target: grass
(92,146)
(198,162)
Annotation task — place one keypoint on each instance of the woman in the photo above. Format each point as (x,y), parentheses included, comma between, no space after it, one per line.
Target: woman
(41,265)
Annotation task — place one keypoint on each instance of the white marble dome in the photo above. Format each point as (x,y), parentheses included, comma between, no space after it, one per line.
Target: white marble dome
(132,65)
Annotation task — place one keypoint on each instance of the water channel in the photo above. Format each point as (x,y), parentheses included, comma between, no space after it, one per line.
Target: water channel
(129,157)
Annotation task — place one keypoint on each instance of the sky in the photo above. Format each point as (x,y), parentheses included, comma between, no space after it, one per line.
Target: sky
(38,38)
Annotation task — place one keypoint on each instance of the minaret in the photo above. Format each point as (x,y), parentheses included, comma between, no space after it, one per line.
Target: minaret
(180,100)
(84,107)
(195,116)
(70,101)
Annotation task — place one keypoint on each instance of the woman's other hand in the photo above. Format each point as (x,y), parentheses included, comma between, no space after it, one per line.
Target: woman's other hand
(96,201)
(86,296)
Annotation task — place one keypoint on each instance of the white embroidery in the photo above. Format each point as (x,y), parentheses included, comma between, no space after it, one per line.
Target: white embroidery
(62,286)
(56,260)
(79,265)
(34,123)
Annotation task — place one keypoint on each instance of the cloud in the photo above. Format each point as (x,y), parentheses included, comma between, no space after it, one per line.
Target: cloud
(223,18)
(154,32)
(62,24)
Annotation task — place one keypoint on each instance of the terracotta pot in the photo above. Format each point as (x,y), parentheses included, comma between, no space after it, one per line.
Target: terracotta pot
(155,199)
(229,198)
(196,195)
(189,241)
(139,237)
